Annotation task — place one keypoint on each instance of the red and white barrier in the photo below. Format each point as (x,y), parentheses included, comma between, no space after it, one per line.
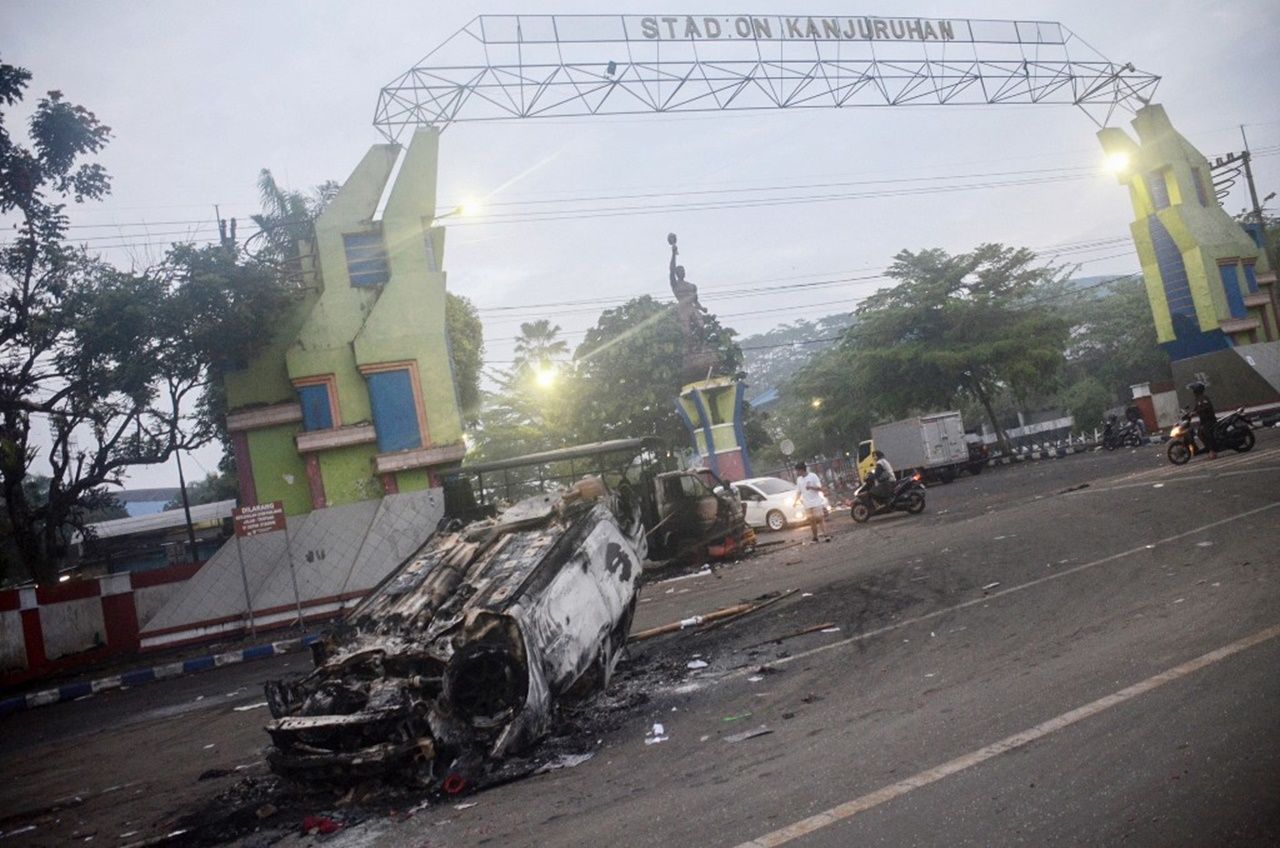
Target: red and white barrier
(54,628)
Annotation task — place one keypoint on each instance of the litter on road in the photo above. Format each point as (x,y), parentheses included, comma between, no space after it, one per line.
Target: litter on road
(697,664)
(564,761)
(709,618)
(248,707)
(762,730)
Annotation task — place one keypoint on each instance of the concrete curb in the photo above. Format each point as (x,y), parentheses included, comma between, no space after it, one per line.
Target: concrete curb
(1058,451)
(138,676)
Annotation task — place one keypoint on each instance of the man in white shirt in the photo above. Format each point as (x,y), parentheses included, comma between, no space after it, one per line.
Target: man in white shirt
(809,494)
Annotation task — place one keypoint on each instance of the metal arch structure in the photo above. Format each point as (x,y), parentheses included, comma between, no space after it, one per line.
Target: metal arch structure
(541,66)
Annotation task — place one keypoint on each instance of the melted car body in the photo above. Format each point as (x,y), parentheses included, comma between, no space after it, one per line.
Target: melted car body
(522,599)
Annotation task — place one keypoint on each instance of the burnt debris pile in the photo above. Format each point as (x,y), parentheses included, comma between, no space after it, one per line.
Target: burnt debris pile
(459,659)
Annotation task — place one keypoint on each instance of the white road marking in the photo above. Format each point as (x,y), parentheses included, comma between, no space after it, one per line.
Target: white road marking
(986,599)
(1176,479)
(851,808)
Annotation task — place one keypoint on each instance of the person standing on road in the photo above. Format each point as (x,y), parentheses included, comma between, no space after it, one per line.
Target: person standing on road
(1208,419)
(809,493)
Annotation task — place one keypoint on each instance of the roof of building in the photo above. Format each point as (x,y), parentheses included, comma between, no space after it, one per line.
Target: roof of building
(163,520)
(167,493)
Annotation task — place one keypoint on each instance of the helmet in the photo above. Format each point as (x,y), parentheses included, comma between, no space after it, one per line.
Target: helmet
(1196,388)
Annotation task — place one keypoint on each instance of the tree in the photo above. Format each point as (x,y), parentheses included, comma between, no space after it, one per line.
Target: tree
(958,324)
(1113,346)
(109,362)
(528,412)
(821,410)
(538,345)
(628,372)
(465,334)
(287,221)
(216,486)
(39,278)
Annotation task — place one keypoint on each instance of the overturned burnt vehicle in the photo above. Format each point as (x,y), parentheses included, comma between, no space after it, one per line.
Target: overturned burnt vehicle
(522,599)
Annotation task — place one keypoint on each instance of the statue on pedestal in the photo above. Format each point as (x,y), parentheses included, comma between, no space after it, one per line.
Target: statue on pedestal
(699,361)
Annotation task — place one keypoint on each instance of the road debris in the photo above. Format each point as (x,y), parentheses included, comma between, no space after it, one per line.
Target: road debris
(564,761)
(738,717)
(656,734)
(990,586)
(696,664)
(324,825)
(762,730)
(711,618)
(248,707)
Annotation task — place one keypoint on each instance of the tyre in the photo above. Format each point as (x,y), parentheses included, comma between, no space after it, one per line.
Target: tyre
(1109,444)
(1246,442)
(946,475)
(976,468)
(775,520)
(1133,440)
(860,512)
(1179,454)
(915,503)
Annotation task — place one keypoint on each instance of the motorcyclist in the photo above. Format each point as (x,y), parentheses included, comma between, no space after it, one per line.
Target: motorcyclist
(883,478)
(1203,407)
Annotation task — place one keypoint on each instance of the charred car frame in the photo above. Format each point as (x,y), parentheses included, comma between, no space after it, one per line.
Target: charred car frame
(523,598)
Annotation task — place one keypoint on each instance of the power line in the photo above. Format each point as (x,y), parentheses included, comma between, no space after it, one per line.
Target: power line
(711,294)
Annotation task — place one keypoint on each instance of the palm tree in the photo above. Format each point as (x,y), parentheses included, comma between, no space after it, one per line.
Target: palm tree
(288,217)
(538,345)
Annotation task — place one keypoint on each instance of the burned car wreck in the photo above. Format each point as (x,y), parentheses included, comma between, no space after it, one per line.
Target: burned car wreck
(521,600)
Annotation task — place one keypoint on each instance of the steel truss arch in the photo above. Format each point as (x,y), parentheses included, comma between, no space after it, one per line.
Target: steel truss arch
(500,67)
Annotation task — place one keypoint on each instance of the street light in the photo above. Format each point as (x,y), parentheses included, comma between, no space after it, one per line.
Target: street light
(468,208)
(816,403)
(1118,162)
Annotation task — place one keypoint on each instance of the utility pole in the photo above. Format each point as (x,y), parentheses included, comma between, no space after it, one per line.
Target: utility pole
(227,240)
(186,506)
(1253,195)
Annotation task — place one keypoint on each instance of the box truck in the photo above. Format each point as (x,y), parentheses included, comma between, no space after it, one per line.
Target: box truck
(933,444)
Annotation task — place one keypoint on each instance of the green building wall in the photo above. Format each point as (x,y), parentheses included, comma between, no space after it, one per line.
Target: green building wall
(338,333)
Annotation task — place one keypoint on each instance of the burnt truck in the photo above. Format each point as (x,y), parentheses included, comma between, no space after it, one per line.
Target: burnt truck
(521,600)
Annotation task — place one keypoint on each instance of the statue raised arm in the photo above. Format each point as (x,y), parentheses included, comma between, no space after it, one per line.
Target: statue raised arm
(699,360)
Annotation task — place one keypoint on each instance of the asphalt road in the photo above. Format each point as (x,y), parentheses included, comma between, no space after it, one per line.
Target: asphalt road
(1071,652)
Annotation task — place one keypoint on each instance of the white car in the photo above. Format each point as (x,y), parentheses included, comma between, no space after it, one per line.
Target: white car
(772,502)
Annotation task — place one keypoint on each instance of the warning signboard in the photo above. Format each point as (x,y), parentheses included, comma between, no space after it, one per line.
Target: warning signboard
(263,518)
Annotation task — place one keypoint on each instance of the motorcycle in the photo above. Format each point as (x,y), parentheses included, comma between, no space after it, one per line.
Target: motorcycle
(1235,432)
(1116,434)
(908,496)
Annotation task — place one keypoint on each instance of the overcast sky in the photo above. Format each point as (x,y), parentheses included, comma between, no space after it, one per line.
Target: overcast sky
(202,95)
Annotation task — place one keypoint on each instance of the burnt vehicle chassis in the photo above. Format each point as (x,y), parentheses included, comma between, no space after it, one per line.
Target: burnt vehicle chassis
(458,659)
